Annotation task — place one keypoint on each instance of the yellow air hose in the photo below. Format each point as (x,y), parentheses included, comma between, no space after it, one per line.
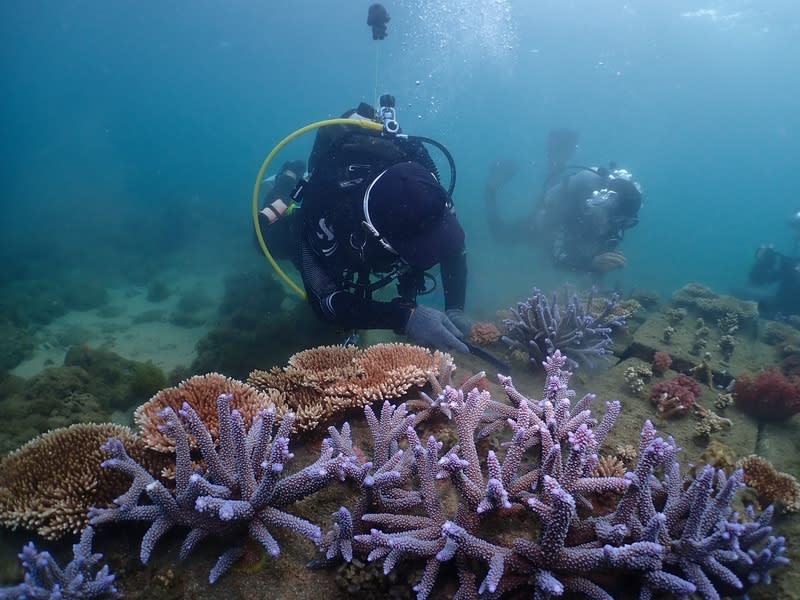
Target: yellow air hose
(260,177)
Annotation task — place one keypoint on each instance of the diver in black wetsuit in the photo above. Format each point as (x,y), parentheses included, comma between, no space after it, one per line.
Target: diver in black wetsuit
(772,267)
(372,206)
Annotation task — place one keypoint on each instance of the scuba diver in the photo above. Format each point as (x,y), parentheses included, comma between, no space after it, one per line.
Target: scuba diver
(774,268)
(372,207)
(582,213)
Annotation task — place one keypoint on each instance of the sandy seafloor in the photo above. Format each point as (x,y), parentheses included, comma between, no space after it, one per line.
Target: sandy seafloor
(286,577)
(132,326)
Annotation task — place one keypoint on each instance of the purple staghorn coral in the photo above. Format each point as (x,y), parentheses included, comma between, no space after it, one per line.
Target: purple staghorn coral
(79,580)
(540,326)
(551,442)
(708,549)
(663,538)
(242,490)
(382,481)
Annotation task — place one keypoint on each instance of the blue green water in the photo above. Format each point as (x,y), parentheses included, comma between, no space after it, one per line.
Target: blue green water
(131,133)
(134,130)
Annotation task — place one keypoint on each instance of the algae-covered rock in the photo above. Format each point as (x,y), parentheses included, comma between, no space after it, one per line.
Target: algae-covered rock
(10,384)
(33,302)
(194,309)
(93,385)
(55,397)
(147,378)
(16,346)
(118,383)
(52,385)
(194,301)
(712,306)
(149,316)
(188,320)
(681,344)
(252,331)
(158,291)
(82,294)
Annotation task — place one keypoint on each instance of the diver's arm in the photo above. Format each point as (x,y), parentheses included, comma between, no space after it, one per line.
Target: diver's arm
(337,306)
(454,281)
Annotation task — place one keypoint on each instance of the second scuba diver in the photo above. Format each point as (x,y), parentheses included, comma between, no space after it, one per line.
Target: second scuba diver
(372,213)
(773,268)
(582,213)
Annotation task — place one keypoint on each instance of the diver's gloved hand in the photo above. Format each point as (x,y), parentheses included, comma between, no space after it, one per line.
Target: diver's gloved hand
(608,261)
(501,172)
(460,320)
(289,175)
(430,327)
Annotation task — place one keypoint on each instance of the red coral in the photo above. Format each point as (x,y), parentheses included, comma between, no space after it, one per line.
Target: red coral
(661,362)
(675,397)
(769,396)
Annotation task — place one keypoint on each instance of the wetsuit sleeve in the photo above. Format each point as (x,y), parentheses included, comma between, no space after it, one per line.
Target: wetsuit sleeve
(341,307)
(454,281)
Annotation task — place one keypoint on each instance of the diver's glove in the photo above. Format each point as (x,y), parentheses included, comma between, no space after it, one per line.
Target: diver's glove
(608,261)
(430,327)
(286,180)
(460,320)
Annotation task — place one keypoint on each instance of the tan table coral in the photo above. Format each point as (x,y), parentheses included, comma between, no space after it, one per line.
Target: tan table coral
(202,391)
(50,483)
(322,382)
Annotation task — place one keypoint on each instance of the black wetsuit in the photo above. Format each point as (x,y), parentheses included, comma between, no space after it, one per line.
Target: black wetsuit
(774,267)
(333,253)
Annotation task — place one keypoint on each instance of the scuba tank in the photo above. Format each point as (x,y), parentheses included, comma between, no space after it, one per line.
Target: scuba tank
(346,158)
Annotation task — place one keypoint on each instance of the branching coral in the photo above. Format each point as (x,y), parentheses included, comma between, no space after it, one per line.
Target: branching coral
(540,326)
(538,516)
(80,579)
(241,488)
(662,537)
